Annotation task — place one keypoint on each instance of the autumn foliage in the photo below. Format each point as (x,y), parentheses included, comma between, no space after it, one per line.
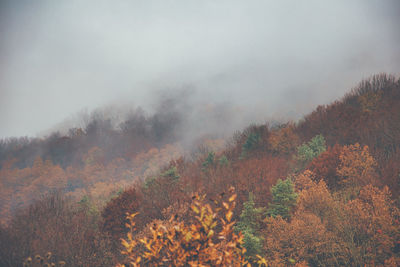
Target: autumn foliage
(320,192)
(208,241)
(328,231)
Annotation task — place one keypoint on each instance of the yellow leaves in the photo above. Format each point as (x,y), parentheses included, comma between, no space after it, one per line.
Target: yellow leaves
(132,216)
(229,215)
(148,245)
(175,243)
(42,261)
(138,260)
(261,261)
(125,243)
(195,209)
(129,236)
(210,233)
(188,236)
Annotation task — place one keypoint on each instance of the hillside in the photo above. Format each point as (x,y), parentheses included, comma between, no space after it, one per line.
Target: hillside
(323,191)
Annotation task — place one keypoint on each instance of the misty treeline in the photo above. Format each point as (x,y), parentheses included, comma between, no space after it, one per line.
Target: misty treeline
(139,131)
(320,192)
(110,150)
(123,132)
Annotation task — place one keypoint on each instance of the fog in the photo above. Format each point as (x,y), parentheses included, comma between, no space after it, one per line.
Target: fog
(250,61)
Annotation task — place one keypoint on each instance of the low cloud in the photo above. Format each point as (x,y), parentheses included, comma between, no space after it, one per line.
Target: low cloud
(246,61)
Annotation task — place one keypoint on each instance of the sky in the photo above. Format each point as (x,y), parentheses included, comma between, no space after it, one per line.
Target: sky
(264,59)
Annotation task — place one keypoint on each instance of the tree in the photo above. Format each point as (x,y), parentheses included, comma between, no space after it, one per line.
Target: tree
(256,175)
(304,238)
(209,161)
(169,176)
(318,200)
(114,212)
(371,227)
(283,199)
(356,169)
(308,151)
(283,140)
(324,166)
(162,191)
(250,225)
(223,161)
(329,230)
(250,144)
(56,224)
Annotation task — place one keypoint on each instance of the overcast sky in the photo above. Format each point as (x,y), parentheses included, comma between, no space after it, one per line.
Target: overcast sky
(265,57)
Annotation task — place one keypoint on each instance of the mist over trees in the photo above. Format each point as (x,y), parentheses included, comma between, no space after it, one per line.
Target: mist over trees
(136,133)
(200,133)
(323,191)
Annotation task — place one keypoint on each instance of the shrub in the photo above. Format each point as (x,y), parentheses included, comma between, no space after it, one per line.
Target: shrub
(209,240)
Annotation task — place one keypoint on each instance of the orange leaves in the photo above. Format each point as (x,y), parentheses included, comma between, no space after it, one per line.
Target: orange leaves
(284,140)
(307,236)
(316,199)
(303,238)
(232,198)
(357,166)
(21,186)
(304,180)
(176,243)
(324,166)
(347,167)
(373,220)
(261,261)
(332,230)
(228,216)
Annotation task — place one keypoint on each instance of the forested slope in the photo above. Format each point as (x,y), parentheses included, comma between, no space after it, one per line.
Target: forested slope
(320,192)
